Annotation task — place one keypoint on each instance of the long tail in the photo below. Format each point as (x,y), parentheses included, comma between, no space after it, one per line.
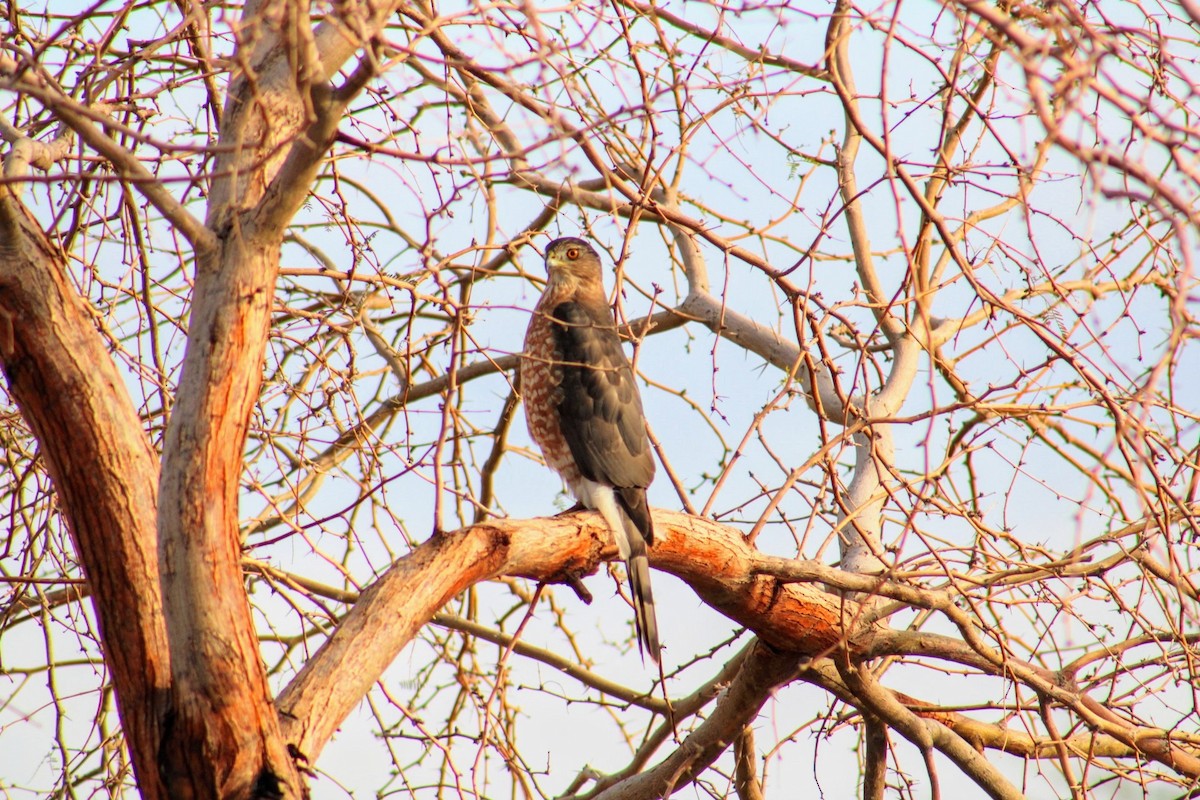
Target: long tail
(639,531)
(638,567)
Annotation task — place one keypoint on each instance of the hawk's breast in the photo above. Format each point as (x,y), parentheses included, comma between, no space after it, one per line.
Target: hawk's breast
(541,391)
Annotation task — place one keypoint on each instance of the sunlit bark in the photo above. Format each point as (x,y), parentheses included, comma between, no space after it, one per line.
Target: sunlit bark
(912,293)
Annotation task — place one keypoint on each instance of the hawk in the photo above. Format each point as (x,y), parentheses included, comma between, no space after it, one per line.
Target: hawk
(584,411)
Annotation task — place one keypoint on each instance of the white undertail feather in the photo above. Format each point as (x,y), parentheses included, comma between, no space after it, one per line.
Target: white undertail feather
(632,547)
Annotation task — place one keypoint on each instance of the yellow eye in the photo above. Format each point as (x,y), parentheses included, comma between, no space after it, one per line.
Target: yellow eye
(573,253)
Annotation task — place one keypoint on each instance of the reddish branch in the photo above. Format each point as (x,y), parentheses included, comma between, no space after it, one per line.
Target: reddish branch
(790,611)
(59,372)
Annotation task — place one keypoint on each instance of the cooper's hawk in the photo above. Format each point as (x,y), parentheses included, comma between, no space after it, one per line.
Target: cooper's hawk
(584,411)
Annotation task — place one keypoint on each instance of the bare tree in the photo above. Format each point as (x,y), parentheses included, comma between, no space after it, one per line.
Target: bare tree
(912,291)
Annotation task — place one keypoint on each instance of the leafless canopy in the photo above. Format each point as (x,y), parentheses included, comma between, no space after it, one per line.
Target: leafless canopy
(912,291)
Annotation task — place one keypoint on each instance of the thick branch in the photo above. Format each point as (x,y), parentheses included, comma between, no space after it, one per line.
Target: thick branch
(277,125)
(104,469)
(713,559)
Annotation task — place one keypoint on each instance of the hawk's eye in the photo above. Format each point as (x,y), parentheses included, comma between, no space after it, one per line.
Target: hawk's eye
(573,253)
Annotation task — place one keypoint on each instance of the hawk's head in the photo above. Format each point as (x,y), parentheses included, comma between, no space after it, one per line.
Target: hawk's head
(572,261)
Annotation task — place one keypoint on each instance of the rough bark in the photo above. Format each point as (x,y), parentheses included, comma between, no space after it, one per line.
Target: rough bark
(224,738)
(223,734)
(105,471)
(713,559)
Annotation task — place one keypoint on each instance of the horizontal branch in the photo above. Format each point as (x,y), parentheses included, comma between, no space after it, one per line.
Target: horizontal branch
(83,121)
(858,688)
(754,55)
(788,609)
(712,558)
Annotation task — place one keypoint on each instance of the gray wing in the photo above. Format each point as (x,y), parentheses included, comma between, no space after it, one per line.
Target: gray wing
(600,410)
(601,418)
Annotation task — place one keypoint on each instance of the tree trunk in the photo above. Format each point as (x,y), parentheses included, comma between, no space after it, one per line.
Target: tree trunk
(105,471)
